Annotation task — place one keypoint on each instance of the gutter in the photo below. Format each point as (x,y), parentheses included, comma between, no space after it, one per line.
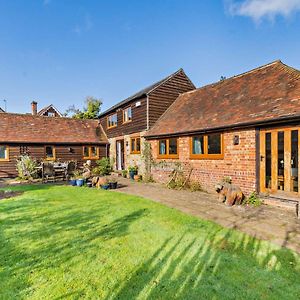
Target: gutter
(277,121)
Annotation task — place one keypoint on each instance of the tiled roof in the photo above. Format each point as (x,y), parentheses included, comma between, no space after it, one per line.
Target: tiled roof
(26,128)
(141,93)
(262,95)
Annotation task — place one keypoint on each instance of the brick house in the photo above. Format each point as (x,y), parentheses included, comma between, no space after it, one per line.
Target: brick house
(246,127)
(126,122)
(44,138)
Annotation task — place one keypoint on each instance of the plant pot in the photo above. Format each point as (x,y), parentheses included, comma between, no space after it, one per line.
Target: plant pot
(105,186)
(72,182)
(131,175)
(137,177)
(79,182)
(113,185)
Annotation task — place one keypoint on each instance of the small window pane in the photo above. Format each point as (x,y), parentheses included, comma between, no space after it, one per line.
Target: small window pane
(112,120)
(198,145)
(138,144)
(49,152)
(173,146)
(2,152)
(162,147)
(93,151)
(86,151)
(132,145)
(214,144)
(127,114)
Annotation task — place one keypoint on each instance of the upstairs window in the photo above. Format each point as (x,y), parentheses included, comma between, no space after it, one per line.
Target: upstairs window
(90,152)
(127,115)
(135,145)
(4,153)
(168,148)
(112,121)
(207,146)
(50,153)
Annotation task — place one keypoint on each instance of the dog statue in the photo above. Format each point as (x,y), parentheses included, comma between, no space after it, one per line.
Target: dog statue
(230,194)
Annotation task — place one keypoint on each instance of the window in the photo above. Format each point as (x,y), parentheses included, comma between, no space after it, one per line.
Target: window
(112,121)
(135,147)
(90,152)
(51,114)
(127,115)
(49,153)
(168,148)
(4,153)
(207,146)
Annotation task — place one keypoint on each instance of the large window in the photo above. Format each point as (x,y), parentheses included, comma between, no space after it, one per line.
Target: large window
(127,115)
(50,153)
(135,145)
(4,153)
(168,148)
(207,146)
(112,121)
(90,152)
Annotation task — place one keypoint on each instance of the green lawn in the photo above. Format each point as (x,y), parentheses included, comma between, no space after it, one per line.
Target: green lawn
(70,243)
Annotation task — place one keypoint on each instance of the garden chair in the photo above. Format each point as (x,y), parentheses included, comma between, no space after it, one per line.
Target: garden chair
(48,172)
(71,168)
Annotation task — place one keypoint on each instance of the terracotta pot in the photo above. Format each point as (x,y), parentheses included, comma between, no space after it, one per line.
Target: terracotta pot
(137,177)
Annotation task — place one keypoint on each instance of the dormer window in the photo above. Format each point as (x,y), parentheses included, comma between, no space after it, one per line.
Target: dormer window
(127,115)
(112,121)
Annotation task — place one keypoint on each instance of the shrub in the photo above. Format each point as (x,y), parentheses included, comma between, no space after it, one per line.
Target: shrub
(253,199)
(26,167)
(195,186)
(103,167)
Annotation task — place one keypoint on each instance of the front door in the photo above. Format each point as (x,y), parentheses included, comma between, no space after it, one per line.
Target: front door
(120,155)
(279,160)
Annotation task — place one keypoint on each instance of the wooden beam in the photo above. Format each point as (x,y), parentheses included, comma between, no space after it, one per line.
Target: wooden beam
(287,161)
(262,161)
(274,161)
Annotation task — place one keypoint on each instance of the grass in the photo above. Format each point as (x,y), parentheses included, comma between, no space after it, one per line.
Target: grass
(71,243)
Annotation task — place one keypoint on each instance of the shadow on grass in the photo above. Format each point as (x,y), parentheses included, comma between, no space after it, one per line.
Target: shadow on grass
(214,268)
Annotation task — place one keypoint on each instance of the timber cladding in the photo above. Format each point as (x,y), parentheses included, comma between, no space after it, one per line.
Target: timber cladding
(138,123)
(37,151)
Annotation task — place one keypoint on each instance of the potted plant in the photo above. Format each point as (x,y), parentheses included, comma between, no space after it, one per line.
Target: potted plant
(124,173)
(132,171)
(79,178)
(113,183)
(72,181)
(105,185)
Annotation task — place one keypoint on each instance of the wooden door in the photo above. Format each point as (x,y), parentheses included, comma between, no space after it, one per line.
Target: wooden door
(279,160)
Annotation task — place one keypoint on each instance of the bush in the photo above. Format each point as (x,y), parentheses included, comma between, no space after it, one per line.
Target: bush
(195,186)
(26,167)
(253,199)
(103,167)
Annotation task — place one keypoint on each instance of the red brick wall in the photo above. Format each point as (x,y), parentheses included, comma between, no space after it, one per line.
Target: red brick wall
(239,162)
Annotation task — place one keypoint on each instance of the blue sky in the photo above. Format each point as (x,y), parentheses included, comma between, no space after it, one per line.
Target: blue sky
(60,51)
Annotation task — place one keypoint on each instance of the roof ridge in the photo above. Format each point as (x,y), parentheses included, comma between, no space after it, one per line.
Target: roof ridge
(238,76)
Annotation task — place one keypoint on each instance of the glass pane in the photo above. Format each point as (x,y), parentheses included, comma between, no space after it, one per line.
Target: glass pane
(294,161)
(198,146)
(173,146)
(132,145)
(268,161)
(214,144)
(49,152)
(162,147)
(129,114)
(138,144)
(280,166)
(2,152)
(93,151)
(86,151)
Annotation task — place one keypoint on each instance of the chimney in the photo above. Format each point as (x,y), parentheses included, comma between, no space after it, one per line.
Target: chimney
(34,108)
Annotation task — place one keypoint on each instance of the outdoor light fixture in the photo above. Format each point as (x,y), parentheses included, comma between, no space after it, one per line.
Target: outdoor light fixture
(236,140)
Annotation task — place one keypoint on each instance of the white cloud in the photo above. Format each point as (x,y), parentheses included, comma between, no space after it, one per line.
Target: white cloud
(259,9)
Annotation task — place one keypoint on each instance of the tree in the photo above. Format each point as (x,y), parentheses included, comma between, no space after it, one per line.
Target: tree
(91,110)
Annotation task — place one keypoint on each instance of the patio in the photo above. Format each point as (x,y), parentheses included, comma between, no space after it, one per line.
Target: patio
(269,223)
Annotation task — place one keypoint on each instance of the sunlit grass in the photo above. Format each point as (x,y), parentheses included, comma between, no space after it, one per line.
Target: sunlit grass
(70,243)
